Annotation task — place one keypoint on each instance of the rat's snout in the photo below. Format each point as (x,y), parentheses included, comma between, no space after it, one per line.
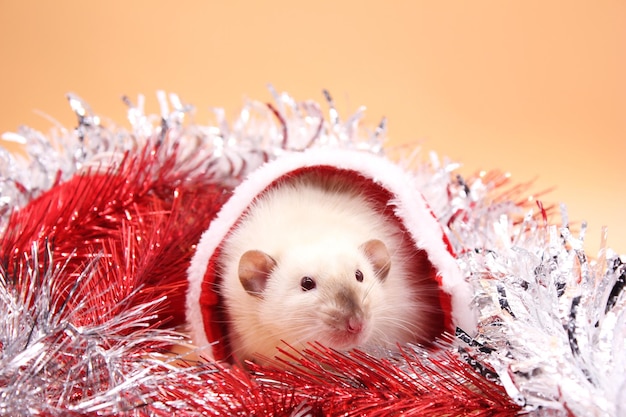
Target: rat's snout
(354,324)
(351,311)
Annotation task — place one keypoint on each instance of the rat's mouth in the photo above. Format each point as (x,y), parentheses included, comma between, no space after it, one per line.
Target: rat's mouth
(344,339)
(344,332)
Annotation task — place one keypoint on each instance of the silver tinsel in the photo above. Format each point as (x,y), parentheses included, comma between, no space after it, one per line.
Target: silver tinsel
(552,326)
(228,150)
(552,319)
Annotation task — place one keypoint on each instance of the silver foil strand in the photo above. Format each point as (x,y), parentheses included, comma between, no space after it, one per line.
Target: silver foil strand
(229,151)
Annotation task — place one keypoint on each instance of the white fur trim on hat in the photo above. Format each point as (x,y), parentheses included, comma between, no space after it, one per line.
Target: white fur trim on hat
(410,207)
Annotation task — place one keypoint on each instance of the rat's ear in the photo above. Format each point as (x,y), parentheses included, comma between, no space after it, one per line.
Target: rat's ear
(255,268)
(378,255)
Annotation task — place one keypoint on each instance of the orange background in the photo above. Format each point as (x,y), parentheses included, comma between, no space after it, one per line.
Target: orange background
(537,88)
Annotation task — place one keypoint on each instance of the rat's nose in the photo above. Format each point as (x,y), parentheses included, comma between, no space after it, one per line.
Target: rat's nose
(354,325)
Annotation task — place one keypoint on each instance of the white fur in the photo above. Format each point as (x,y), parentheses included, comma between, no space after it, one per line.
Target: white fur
(410,207)
(316,233)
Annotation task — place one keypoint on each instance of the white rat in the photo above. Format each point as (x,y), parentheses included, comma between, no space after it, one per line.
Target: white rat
(313,261)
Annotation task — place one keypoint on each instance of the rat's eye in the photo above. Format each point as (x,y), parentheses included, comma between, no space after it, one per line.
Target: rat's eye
(307,283)
(358,275)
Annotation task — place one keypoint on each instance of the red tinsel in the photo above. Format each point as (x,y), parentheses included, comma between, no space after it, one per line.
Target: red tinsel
(141,218)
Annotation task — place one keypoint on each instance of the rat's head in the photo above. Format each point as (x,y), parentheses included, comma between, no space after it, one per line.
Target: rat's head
(323,292)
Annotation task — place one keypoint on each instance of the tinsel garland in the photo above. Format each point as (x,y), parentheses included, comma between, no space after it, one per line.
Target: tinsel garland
(98,225)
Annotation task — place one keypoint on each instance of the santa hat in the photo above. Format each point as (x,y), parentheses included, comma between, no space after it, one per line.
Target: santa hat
(374,174)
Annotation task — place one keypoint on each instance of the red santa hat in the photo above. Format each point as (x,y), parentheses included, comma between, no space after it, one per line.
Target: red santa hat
(392,187)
